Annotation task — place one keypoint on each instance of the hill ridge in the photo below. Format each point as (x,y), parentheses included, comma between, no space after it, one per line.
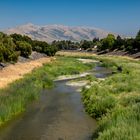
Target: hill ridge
(53,32)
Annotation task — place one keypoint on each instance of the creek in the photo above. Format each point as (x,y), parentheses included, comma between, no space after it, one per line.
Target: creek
(57,115)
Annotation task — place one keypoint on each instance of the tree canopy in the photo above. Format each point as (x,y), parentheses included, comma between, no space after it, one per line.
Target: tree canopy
(7,49)
(12,46)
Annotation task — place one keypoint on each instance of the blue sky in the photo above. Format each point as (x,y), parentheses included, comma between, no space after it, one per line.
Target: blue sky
(120,16)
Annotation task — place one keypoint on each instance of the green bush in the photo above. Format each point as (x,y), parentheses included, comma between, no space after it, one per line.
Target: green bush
(7,49)
(24,48)
(50,50)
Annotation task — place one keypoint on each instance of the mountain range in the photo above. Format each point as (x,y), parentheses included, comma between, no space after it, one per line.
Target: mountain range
(50,33)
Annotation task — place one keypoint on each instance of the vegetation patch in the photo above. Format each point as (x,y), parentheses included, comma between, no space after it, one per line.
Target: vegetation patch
(115,101)
(15,45)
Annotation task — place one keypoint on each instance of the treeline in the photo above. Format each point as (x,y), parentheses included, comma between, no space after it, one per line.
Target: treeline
(109,43)
(15,45)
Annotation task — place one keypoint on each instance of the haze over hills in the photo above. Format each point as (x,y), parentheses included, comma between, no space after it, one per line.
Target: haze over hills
(50,33)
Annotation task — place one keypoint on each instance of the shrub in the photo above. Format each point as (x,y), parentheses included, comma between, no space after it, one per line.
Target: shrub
(24,48)
(50,50)
(7,49)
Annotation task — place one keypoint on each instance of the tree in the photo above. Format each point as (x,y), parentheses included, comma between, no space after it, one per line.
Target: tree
(86,44)
(119,43)
(1,53)
(24,48)
(108,42)
(95,41)
(7,49)
(18,37)
(129,45)
(138,35)
(51,50)
(137,42)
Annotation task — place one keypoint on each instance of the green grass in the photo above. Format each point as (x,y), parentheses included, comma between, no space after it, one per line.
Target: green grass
(67,66)
(115,101)
(17,96)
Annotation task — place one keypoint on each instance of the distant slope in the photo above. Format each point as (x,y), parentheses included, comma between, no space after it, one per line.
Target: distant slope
(50,33)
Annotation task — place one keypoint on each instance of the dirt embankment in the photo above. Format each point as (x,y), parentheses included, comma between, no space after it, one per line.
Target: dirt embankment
(121,53)
(16,71)
(95,53)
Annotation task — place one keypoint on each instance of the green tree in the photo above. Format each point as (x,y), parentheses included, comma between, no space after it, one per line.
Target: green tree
(108,42)
(7,49)
(18,37)
(86,44)
(50,50)
(129,45)
(24,48)
(138,35)
(119,43)
(137,42)
(1,53)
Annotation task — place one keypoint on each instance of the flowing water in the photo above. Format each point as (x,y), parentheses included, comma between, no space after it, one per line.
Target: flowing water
(58,115)
(101,72)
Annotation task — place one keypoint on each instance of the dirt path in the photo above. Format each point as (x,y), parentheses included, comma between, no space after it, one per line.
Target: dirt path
(16,71)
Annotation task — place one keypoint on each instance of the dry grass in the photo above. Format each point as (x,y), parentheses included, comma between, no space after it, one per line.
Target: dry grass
(16,71)
(77,54)
(88,55)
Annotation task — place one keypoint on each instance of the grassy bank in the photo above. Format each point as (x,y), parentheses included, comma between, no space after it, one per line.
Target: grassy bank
(16,97)
(115,101)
